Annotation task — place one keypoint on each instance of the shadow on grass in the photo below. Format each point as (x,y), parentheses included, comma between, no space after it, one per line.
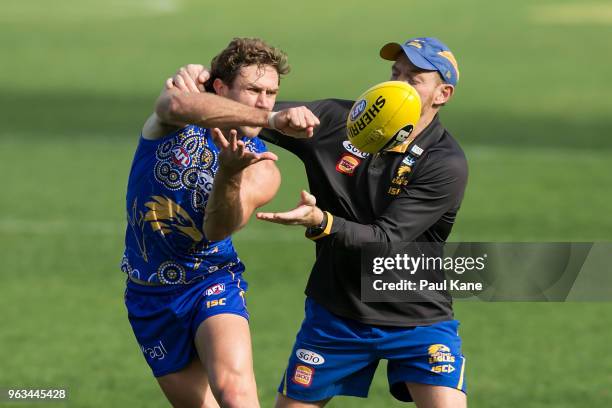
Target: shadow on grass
(81,115)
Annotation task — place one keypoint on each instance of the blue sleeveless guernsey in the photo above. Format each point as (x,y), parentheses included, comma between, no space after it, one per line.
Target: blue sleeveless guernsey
(168,188)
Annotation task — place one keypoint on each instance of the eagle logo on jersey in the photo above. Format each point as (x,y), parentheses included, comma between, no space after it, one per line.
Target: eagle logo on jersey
(167,217)
(400,179)
(403,170)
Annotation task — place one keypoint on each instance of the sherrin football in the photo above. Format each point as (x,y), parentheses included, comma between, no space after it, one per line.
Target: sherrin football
(384,116)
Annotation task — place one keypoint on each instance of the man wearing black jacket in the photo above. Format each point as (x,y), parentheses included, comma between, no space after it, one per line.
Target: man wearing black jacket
(410,193)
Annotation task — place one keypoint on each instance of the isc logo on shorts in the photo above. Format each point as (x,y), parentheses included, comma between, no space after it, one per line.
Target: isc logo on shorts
(303,375)
(445,368)
(216,302)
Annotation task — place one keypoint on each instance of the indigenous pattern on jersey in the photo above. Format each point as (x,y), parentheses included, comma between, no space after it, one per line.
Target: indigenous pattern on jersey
(169,185)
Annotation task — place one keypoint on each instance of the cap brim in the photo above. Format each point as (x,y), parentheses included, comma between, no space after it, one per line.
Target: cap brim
(417,59)
(390,51)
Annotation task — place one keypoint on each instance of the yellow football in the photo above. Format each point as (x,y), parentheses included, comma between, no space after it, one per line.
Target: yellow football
(384,116)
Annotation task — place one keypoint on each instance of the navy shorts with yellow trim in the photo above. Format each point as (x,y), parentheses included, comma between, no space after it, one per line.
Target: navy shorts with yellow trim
(337,356)
(165,319)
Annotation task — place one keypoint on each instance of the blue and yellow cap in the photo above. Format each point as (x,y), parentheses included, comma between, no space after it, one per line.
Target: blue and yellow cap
(426,53)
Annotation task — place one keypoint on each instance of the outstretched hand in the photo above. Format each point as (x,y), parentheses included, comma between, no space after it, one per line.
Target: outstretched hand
(306,213)
(234,156)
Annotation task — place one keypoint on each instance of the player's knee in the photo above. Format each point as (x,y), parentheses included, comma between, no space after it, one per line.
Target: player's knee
(234,397)
(234,391)
(182,397)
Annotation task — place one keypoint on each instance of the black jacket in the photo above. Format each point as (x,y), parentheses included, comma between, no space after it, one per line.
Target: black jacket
(404,195)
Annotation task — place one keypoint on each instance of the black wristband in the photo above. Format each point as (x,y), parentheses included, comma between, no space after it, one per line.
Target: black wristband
(318,229)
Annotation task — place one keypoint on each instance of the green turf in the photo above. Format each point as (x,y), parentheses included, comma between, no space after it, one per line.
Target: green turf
(79,77)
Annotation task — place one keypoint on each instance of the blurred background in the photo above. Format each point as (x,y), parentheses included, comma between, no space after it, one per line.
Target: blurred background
(78,78)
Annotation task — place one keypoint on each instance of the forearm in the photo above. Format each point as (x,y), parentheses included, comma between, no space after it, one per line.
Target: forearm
(349,234)
(402,222)
(405,219)
(225,207)
(207,110)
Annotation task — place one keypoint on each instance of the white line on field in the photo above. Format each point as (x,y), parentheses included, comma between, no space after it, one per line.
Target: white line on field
(251,233)
(161,6)
(572,14)
(59,226)
(93,10)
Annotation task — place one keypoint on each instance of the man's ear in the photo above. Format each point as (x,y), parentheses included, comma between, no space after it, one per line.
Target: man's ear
(220,87)
(445,92)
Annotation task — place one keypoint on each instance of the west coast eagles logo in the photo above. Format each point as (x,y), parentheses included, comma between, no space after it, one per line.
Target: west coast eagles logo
(399,179)
(440,358)
(167,217)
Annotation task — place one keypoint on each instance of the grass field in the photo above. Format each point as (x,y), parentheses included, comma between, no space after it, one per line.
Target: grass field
(77,80)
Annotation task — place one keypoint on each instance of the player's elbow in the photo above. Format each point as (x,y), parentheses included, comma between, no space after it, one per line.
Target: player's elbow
(214,231)
(215,234)
(170,108)
(273,182)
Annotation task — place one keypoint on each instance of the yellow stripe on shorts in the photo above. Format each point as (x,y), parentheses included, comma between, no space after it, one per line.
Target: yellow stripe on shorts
(285,386)
(460,385)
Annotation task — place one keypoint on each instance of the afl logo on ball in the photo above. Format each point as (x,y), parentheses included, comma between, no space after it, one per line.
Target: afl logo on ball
(358,109)
(180,157)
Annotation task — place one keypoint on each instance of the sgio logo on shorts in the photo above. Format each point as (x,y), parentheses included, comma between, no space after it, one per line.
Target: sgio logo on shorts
(309,357)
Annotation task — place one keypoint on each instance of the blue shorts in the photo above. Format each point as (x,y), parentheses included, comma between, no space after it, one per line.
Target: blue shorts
(165,319)
(337,356)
